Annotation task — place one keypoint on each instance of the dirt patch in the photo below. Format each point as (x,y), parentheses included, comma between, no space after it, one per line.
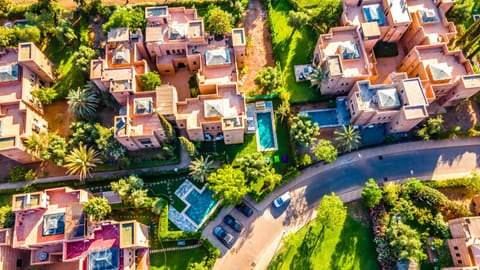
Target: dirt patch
(465,115)
(458,196)
(58,117)
(259,45)
(359,212)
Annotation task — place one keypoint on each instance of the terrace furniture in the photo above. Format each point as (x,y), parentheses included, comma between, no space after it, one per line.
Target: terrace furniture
(276,159)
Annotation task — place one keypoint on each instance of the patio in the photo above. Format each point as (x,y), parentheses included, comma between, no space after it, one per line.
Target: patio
(302,72)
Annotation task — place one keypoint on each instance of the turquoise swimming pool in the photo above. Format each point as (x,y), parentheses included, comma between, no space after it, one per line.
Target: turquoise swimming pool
(200,205)
(265,133)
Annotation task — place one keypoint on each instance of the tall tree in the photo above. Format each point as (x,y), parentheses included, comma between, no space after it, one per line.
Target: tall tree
(65,32)
(45,95)
(347,138)
(229,184)
(81,161)
(188,146)
(460,12)
(150,80)
(82,103)
(158,205)
(201,168)
(130,190)
(167,127)
(283,110)
(218,21)
(371,193)
(325,150)
(82,58)
(297,19)
(268,79)
(405,242)
(303,130)
(7,217)
(331,212)
(326,14)
(97,208)
(107,144)
(126,16)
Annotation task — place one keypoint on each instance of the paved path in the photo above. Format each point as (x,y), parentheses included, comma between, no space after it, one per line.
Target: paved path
(184,162)
(257,244)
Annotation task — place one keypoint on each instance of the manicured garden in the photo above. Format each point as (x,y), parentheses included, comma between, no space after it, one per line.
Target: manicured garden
(348,246)
(177,260)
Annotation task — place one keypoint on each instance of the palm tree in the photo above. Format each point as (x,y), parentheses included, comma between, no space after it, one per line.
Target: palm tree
(347,138)
(36,144)
(82,102)
(158,205)
(81,161)
(201,168)
(283,110)
(316,77)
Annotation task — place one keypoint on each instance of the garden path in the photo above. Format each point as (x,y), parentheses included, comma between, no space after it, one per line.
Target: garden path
(259,46)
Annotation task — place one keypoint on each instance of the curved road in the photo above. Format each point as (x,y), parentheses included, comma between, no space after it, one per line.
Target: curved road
(263,232)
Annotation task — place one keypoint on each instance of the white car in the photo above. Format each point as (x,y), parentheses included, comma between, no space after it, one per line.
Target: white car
(283,199)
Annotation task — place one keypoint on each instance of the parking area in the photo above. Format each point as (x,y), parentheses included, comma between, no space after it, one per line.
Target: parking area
(260,238)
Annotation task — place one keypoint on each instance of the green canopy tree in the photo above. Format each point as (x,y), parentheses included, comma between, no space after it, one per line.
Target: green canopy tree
(158,205)
(130,190)
(201,168)
(150,80)
(188,146)
(107,144)
(126,16)
(82,58)
(303,130)
(283,110)
(297,19)
(371,193)
(347,138)
(83,133)
(229,184)
(461,11)
(218,21)
(405,242)
(7,217)
(65,32)
(45,95)
(47,146)
(268,79)
(97,208)
(28,33)
(326,14)
(331,212)
(325,150)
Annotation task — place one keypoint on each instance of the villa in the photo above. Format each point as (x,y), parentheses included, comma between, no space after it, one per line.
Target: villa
(22,70)
(400,104)
(175,44)
(398,90)
(51,231)
(464,247)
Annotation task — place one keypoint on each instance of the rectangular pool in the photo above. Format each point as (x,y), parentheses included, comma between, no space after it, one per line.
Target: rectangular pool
(324,118)
(200,205)
(266,139)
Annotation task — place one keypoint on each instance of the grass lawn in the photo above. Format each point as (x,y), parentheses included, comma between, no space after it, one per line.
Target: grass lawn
(346,247)
(293,48)
(176,260)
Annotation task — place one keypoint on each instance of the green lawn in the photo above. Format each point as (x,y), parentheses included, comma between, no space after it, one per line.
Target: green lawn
(293,48)
(176,260)
(347,247)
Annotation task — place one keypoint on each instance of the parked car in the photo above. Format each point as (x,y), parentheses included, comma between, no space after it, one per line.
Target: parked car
(282,200)
(233,223)
(225,237)
(247,211)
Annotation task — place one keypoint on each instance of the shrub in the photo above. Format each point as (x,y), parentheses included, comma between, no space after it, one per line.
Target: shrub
(150,80)
(20,174)
(7,217)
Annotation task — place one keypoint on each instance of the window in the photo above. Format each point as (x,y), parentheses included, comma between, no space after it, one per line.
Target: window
(459,261)
(145,141)
(457,254)
(19,263)
(194,62)
(455,247)
(168,52)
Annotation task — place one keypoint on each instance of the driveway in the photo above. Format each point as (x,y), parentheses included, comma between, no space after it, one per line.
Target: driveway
(257,244)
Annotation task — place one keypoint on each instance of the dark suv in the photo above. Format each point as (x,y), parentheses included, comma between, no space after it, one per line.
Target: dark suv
(233,223)
(247,211)
(225,237)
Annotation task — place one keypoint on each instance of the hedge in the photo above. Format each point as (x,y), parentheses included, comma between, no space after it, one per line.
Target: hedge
(165,235)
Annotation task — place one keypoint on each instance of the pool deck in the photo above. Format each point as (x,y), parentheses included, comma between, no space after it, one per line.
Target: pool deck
(343,116)
(181,219)
(268,108)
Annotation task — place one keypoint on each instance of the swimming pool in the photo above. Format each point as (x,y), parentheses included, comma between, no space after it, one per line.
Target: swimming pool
(200,205)
(266,139)
(324,118)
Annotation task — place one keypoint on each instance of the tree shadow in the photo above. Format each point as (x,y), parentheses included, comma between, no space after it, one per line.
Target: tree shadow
(355,249)
(301,260)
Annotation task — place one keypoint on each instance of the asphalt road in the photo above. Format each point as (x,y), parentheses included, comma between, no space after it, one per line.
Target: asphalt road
(422,164)
(263,233)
